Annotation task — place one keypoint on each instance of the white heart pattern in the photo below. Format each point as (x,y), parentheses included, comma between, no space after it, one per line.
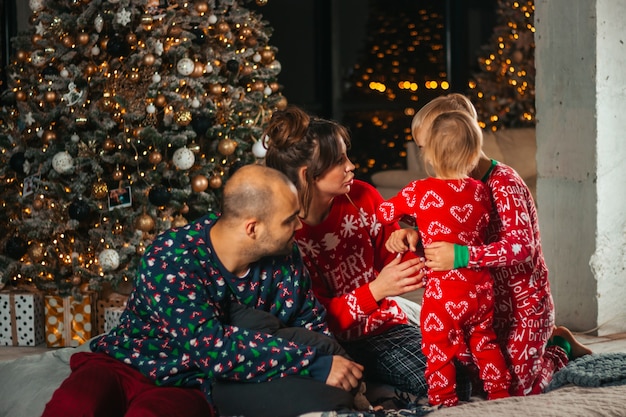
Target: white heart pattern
(387,209)
(436,228)
(431,199)
(461,213)
(432,323)
(456,310)
(409,194)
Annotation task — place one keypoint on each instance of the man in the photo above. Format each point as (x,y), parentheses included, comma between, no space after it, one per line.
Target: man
(174,352)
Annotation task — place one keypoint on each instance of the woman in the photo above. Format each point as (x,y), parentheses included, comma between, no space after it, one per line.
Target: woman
(343,246)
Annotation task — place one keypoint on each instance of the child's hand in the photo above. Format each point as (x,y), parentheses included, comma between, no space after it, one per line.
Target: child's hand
(402,240)
(439,256)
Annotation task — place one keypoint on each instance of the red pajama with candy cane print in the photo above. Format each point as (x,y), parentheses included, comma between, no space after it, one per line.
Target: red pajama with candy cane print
(457,311)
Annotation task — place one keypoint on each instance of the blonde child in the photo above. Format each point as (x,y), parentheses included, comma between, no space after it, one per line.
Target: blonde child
(457,310)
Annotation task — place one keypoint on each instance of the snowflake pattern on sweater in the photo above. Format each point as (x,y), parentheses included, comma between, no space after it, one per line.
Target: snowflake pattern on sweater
(173,330)
(344,253)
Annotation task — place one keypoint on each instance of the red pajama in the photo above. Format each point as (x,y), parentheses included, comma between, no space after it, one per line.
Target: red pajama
(113,389)
(456,315)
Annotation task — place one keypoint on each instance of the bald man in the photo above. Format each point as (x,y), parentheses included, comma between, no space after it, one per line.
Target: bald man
(176,352)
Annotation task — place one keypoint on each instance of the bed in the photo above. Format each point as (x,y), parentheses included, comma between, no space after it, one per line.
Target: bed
(594,385)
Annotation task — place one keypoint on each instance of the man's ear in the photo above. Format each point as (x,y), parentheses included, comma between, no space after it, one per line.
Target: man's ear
(251,227)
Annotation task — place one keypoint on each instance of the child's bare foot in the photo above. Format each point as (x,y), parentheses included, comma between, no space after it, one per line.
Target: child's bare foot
(578,349)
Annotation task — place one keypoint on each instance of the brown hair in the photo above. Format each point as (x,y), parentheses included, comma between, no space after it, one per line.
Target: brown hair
(295,140)
(454,144)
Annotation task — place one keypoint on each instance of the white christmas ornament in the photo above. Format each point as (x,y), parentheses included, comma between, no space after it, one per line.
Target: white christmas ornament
(109,259)
(156,78)
(98,23)
(185,66)
(36,5)
(212,19)
(183,158)
(259,148)
(62,162)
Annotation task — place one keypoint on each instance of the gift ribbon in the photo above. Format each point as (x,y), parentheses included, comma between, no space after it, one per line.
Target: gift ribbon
(13,319)
(67,321)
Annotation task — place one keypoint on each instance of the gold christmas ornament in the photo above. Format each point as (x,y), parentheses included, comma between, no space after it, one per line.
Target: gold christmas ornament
(215,89)
(179,221)
(226,146)
(145,223)
(223,27)
(83,38)
(215,181)
(68,41)
(108,144)
(35,39)
(202,7)
(183,117)
(118,174)
(282,103)
(49,136)
(20,95)
(199,183)
(131,38)
(160,100)
(36,251)
(100,190)
(38,204)
(198,70)
(251,42)
(267,55)
(141,249)
(149,59)
(50,96)
(21,55)
(155,157)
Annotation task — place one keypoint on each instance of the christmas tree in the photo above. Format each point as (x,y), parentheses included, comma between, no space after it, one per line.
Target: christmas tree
(504,88)
(402,67)
(123,118)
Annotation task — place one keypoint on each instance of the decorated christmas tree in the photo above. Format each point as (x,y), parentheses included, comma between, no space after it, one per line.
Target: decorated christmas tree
(402,67)
(504,88)
(123,118)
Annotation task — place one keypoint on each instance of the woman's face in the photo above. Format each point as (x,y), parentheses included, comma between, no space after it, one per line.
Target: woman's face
(338,179)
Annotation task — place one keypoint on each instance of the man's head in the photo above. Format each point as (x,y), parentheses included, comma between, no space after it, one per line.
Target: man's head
(263,205)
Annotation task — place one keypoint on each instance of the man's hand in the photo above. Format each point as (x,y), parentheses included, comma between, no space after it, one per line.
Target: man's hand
(344,373)
(398,278)
(402,240)
(439,256)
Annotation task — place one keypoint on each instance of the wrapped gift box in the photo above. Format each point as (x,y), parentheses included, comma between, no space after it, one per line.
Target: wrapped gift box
(112,317)
(68,320)
(21,318)
(112,300)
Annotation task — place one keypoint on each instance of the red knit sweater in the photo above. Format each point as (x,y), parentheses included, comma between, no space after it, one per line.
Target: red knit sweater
(344,254)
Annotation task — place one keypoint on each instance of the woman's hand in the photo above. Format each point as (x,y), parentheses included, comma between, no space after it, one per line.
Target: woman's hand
(402,240)
(439,256)
(398,278)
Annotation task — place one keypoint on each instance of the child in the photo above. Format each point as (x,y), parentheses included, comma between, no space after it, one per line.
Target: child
(524,311)
(457,311)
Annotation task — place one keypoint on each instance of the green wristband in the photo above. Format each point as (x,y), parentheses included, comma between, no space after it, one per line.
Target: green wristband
(461,256)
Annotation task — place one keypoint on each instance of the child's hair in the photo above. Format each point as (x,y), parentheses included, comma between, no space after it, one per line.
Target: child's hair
(424,117)
(454,144)
(296,140)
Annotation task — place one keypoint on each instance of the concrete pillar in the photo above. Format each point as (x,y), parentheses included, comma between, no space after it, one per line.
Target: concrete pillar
(581,158)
